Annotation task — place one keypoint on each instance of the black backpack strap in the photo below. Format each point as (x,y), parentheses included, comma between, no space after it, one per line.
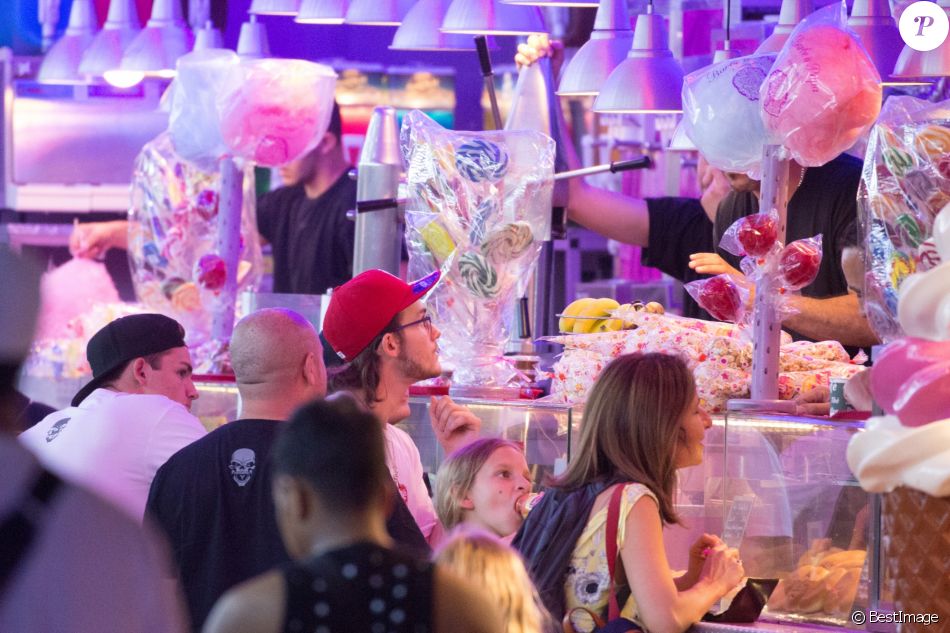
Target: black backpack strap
(20,527)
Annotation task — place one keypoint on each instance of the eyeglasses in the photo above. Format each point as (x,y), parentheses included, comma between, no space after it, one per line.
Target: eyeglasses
(426,320)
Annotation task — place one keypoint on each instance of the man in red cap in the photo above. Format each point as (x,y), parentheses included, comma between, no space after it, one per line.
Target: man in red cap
(377,324)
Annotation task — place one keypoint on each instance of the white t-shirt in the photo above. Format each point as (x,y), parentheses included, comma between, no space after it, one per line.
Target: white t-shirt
(405,466)
(89,569)
(113,443)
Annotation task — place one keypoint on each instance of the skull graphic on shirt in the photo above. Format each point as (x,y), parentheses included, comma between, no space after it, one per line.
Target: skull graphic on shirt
(243,462)
(56,429)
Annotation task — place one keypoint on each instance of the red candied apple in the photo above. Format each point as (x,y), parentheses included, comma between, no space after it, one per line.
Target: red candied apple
(757,234)
(211,272)
(720,298)
(799,263)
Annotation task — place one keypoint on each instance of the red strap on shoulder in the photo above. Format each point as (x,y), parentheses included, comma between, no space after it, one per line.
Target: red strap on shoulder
(613,526)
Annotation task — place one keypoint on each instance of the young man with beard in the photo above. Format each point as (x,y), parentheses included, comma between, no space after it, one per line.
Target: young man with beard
(377,324)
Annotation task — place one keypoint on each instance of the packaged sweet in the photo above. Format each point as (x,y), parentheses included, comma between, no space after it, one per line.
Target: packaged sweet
(720,296)
(799,262)
(823,91)
(753,235)
(479,207)
(193,120)
(278,111)
(721,112)
(70,290)
(172,238)
(900,203)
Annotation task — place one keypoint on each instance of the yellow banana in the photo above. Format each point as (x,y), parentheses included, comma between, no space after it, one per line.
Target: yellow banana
(599,308)
(607,325)
(566,322)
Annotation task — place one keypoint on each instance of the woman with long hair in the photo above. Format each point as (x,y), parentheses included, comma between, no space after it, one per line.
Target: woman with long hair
(641,423)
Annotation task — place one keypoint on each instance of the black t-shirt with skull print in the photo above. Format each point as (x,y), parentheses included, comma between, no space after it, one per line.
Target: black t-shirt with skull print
(213,501)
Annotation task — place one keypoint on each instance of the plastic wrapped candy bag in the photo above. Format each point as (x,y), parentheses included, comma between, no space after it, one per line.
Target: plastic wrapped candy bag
(721,112)
(754,235)
(278,111)
(193,118)
(172,233)
(799,262)
(720,296)
(823,91)
(904,187)
(479,207)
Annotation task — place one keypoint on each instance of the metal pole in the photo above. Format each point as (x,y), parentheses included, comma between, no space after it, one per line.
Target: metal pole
(378,242)
(228,246)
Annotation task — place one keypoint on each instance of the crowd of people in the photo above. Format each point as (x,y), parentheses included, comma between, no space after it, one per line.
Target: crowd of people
(309,512)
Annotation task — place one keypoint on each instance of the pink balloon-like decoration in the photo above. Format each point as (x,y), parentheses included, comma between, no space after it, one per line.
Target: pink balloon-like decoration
(911,380)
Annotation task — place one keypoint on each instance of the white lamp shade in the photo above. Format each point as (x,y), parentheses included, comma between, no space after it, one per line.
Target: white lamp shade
(553,3)
(105,52)
(322,12)
(253,42)
(913,64)
(419,30)
(274,7)
(208,37)
(791,13)
(650,79)
(602,53)
(872,22)
(377,12)
(155,50)
(61,63)
(491,17)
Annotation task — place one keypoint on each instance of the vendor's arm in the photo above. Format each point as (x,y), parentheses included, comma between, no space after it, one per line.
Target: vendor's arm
(93,239)
(835,318)
(712,264)
(661,607)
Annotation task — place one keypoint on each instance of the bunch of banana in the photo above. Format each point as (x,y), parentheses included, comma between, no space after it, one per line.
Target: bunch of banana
(588,315)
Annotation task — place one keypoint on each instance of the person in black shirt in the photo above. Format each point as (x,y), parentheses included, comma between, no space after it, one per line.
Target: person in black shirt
(305,220)
(213,498)
(684,244)
(331,488)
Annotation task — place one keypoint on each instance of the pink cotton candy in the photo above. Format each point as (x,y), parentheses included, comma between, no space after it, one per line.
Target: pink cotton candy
(68,292)
(821,94)
(280,110)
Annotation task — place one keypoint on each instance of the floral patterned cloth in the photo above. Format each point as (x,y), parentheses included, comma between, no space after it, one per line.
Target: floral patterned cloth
(588,581)
(721,359)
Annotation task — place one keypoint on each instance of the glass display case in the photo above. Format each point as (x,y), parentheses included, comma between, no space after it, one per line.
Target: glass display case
(776,487)
(780,490)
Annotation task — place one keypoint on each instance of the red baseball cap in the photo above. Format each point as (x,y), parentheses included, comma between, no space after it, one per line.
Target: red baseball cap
(362,307)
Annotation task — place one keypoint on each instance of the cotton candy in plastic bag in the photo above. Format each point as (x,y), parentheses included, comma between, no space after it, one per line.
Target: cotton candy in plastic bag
(278,111)
(823,91)
(721,112)
(173,227)
(479,207)
(193,121)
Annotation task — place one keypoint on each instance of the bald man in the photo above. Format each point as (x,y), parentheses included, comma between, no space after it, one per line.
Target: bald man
(213,498)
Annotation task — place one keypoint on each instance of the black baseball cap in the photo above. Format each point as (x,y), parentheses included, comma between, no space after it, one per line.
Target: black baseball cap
(126,339)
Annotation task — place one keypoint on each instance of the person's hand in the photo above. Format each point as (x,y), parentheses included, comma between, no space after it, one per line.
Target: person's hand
(454,425)
(93,239)
(713,185)
(539,46)
(815,401)
(722,566)
(698,553)
(713,264)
